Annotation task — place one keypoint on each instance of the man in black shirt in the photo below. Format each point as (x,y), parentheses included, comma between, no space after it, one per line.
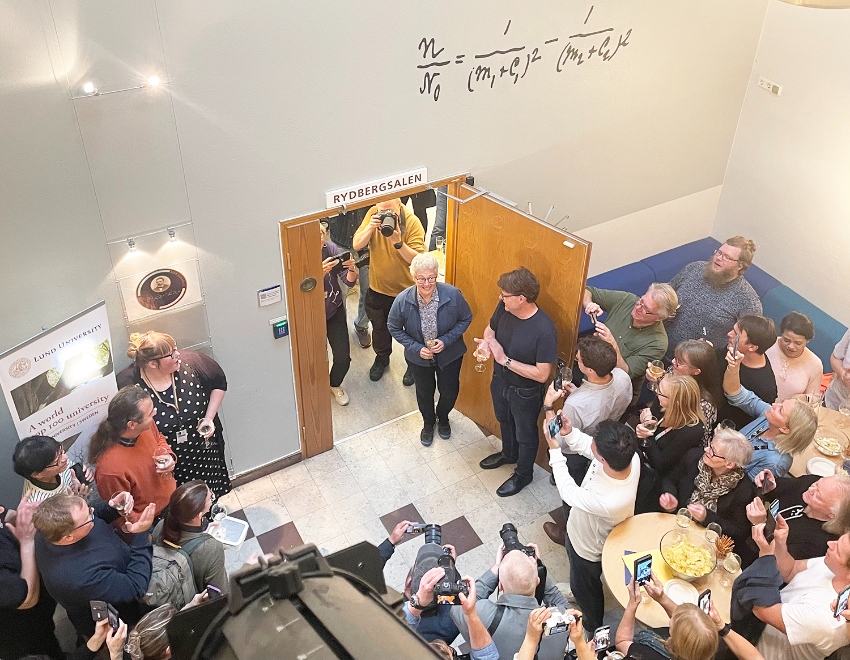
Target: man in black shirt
(26,609)
(755,334)
(817,510)
(524,345)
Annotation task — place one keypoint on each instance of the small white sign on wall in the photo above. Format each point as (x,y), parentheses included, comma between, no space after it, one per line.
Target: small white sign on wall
(376,188)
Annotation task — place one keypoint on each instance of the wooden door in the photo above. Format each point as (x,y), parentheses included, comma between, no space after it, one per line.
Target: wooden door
(303,264)
(488,238)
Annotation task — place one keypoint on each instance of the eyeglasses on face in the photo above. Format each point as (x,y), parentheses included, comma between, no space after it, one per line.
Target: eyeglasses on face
(58,460)
(713,453)
(723,256)
(429,280)
(87,522)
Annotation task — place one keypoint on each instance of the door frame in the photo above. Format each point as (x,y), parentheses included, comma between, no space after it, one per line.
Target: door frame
(315,434)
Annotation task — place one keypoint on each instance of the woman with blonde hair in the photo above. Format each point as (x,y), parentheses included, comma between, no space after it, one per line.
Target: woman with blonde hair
(187,389)
(782,429)
(681,423)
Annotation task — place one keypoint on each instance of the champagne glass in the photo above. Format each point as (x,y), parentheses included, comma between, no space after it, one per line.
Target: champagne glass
(683,517)
(119,503)
(482,357)
(712,532)
(731,564)
(656,370)
(162,456)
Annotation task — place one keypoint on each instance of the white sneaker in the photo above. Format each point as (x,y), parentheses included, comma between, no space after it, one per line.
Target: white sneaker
(340,396)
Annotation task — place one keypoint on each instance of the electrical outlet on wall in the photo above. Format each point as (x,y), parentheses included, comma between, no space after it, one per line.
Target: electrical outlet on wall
(770,86)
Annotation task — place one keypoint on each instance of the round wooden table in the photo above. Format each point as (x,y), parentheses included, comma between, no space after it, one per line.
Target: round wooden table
(830,425)
(644,532)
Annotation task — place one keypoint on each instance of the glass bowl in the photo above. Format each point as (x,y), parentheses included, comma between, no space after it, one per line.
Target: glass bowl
(688,554)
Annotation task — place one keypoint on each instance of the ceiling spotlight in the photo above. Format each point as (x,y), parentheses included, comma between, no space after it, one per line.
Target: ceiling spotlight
(172,235)
(131,242)
(90,89)
(153,81)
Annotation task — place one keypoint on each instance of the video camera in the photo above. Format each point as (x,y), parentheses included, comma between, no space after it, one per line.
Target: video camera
(432,555)
(510,539)
(300,603)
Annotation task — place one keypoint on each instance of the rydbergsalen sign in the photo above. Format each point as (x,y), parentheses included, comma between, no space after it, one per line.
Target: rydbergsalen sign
(361,191)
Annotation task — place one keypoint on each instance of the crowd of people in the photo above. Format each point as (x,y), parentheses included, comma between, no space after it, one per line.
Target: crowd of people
(713,435)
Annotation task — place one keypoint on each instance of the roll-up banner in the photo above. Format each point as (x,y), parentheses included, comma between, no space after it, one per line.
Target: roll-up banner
(59,383)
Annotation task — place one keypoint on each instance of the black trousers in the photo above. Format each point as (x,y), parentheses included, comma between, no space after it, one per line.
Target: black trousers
(378,310)
(447,381)
(586,583)
(340,346)
(517,410)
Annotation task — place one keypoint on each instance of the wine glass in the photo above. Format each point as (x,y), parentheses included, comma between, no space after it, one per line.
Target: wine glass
(162,456)
(712,532)
(731,564)
(656,370)
(482,356)
(119,503)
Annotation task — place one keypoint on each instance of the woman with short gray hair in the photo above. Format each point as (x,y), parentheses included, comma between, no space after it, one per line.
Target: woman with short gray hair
(429,319)
(713,485)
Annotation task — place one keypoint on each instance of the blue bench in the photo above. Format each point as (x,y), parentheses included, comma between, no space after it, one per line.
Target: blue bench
(777,299)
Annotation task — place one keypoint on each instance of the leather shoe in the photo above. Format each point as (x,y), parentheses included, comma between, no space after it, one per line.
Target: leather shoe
(407,380)
(444,429)
(377,370)
(494,460)
(555,532)
(512,486)
(426,437)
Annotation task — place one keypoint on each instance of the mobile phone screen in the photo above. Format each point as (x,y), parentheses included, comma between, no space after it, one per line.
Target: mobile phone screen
(555,426)
(841,604)
(643,569)
(704,601)
(602,637)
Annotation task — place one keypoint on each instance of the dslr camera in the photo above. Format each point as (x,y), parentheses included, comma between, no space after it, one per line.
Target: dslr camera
(557,623)
(389,221)
(432,555)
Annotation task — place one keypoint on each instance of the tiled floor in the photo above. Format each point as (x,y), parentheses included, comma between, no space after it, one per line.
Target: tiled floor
(361,488)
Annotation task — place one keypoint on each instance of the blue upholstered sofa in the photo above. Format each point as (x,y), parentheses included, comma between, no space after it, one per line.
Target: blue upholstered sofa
(776,298)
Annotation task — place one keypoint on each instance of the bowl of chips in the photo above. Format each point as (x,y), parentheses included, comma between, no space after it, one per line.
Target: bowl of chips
(688,554)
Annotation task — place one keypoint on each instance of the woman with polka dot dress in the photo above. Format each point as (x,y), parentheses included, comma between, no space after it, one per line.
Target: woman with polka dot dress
(187,389)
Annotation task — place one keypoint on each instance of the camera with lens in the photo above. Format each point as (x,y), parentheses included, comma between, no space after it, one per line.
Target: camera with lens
(389,221)
(510,539)
(432,555)
(557,623)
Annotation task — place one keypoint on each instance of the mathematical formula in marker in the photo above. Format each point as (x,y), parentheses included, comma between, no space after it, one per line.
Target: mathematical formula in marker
(510,65)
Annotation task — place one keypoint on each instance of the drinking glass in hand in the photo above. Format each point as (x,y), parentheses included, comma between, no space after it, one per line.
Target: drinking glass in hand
(161,457)
(482,357)
(119,504)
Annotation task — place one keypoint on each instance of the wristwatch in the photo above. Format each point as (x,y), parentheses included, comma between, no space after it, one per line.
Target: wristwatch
(398,245)
(508,363)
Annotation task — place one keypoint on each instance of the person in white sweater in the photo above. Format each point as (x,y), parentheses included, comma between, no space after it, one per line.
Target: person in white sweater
(605,498)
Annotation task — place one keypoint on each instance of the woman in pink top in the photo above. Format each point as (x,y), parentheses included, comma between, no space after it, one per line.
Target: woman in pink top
(797,369)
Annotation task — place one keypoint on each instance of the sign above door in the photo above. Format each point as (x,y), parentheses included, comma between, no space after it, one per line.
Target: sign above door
(361,191)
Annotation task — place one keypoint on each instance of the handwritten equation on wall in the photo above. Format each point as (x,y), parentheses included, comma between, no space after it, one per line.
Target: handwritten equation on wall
(511,65)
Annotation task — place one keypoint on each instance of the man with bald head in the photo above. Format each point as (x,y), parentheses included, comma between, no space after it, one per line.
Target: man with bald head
(515,573)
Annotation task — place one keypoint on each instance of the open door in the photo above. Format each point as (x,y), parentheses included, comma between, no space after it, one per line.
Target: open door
(487,238)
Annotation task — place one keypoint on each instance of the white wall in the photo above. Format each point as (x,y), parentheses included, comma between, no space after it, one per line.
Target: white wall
(265,105)
(788,182)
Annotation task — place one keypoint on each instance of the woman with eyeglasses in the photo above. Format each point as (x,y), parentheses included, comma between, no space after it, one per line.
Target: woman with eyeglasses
(680,426)
(429,320)
(697,358)
(187,389)
(185,527)
(713,485)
